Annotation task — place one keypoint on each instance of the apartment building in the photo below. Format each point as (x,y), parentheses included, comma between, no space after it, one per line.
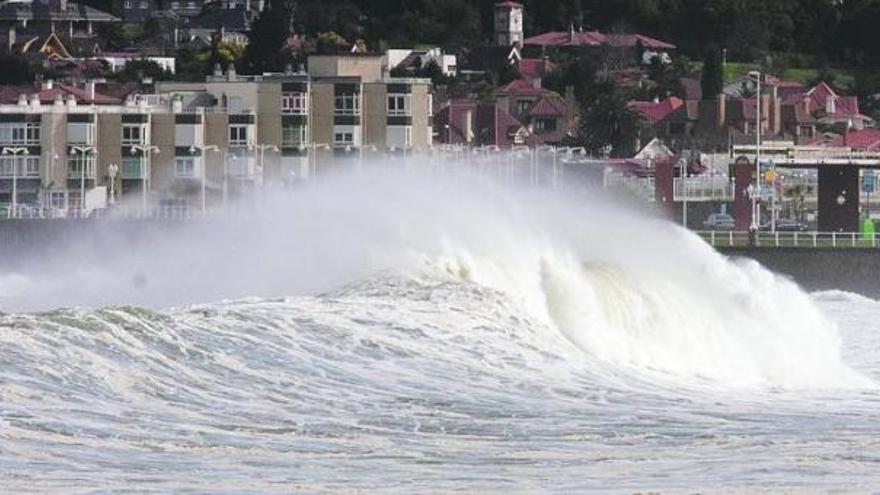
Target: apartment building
(204,143)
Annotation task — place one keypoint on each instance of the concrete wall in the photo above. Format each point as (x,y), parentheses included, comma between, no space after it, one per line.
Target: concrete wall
(368,68)
(109,145)
(375,113)
(162,164)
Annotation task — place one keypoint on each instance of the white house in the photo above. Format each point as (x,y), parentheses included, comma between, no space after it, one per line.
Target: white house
(407,57)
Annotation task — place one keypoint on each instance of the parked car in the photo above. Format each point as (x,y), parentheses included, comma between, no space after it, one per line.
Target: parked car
(720,221)
(786,225)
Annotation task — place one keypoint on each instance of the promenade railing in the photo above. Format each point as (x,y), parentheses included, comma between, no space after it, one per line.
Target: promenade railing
(801,240)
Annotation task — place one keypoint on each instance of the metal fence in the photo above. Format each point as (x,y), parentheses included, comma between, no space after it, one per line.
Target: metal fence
(801,240)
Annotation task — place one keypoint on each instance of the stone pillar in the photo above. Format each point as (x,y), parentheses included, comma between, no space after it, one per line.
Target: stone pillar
(743,174)
(664,176)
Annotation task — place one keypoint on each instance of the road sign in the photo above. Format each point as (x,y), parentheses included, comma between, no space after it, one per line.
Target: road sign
(868,180)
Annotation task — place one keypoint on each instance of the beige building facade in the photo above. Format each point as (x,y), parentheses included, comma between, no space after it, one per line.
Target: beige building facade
(199,144)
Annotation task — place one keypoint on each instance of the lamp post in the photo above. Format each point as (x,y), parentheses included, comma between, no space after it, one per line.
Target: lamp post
(145,169)
(112,170)
(84,151)
(261,149)
(15,151)
(757,76)
(204,175)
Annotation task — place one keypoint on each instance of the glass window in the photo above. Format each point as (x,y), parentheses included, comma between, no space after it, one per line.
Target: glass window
(132,134)
(185,166)
(294,103)
(293,136)
(343,138)
(80,165)
(398,104)
(349,104)
(132,167)
(238,135)
(57,199)
(80,133)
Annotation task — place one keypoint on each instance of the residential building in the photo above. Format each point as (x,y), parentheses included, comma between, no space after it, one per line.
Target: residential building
(508,23)
(190,143)
(24,20)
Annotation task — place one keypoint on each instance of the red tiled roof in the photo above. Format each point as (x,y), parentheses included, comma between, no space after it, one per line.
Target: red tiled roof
(861,140)
(595,38)
(567,38)
(549,106)
(533,68)
(521,86)
(508,3)
(631,40)
(655,112)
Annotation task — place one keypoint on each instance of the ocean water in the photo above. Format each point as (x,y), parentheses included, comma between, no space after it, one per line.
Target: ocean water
(433,339)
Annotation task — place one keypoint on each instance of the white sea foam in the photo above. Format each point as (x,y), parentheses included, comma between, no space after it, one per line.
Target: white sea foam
(424,335)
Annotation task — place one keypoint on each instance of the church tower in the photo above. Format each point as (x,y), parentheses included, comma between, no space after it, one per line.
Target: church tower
(508,23)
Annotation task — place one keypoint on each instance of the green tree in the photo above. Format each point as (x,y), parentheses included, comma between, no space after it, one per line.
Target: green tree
(268,36)
(15,70)
(136,70)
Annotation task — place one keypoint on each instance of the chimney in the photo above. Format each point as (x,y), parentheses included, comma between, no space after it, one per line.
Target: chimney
(22,100)
(469,126)
(846,135)
(571,33)
(177,105)
(230,72)
(721,111)
(35,100)
(59,101)
(830,105)
(218,71)
(48,84)
(90,90)
(805,104)
(71,101)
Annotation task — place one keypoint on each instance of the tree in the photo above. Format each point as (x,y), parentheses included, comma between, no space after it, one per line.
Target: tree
(607,123)
(267,38)
(15,70)
(137,70)
(712,78)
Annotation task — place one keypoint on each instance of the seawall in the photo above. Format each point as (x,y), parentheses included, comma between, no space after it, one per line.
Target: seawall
(848,269)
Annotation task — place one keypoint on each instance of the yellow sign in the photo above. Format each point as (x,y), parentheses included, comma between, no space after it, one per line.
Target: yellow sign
(770,176)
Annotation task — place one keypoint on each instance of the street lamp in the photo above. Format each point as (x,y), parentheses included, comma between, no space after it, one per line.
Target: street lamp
(261,149)
(112,170)
(756,75)
(15,151)
(84,151)
(145,169)
(204,175)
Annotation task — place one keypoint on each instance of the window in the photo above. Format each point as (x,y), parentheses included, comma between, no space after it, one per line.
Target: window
(293,136)
(132,167)
(349,104)
(128,4)
(57,199)
(185,166)
(398,105)
(522,106)
(175,6)
(132,134)
(143,5)
(19,166)
(399,137)
(20,133)
(80,133)
(294,103)
(545,125)
(343,138)
(238,135)
(805,131)
(81,165)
